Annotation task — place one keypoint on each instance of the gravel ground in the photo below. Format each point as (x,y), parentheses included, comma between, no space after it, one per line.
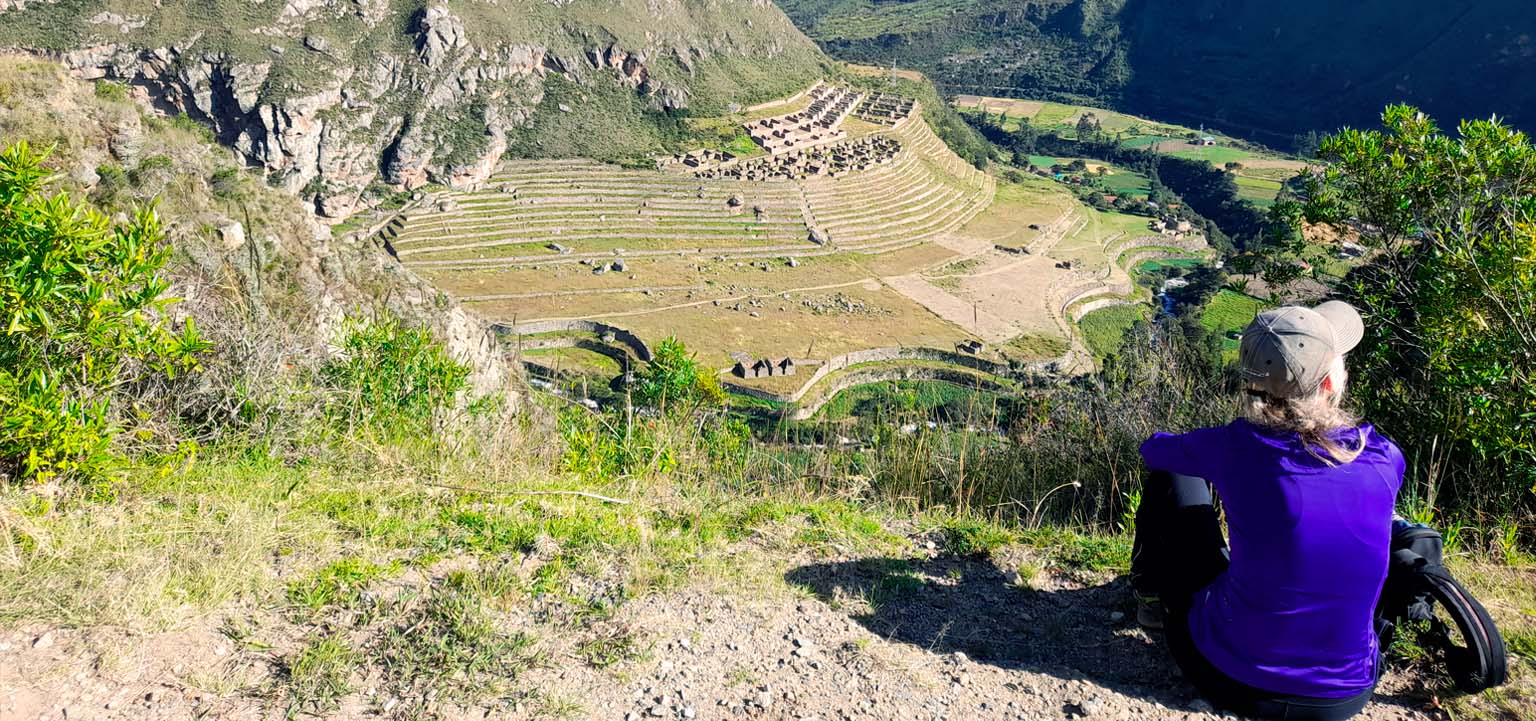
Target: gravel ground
(930,637)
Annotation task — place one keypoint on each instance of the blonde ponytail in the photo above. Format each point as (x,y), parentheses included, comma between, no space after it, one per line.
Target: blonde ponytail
(1314,417)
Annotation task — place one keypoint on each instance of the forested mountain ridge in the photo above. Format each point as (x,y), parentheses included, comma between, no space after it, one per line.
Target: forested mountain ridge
(329,95)
(1264,70)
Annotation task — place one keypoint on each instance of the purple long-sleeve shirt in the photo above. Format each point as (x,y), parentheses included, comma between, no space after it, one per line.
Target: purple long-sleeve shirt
(1293,614)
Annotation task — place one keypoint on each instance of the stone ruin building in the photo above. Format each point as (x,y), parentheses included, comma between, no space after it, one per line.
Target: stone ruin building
(884,108)
(764,368)
(818,123)
(829,160)
(700,158)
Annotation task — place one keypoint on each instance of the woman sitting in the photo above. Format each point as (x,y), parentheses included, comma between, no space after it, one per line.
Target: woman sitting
(1281,625)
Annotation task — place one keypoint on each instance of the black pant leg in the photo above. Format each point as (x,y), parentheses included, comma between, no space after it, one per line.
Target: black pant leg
(1148,567)
(1178,547)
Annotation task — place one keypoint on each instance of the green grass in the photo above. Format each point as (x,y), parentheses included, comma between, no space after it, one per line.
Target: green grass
(1261,191)
(1229,311)
(318,675)
(1147,141)
(577,361)
(1150,266)
(338,583)
(1046,161)
(449,644)
(1217,155)
(914,398)
(1126,183)
(1104,328)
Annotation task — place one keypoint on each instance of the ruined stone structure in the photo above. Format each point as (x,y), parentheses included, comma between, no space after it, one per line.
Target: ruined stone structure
(700,158)
(818,123)
(884,108)
(829,160)
(764,368)
(612,335)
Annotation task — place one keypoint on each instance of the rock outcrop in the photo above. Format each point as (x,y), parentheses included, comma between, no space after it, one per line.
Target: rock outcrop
(330,96)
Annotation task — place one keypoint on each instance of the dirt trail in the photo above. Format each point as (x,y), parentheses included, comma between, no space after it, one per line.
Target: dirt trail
(926,636)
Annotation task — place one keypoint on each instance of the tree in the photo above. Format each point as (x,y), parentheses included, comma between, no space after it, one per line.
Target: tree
(673,377)
(84,310)
(1087,128)
(1449,367)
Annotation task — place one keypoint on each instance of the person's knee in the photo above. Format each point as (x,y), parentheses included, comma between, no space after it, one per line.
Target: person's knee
(1189,491)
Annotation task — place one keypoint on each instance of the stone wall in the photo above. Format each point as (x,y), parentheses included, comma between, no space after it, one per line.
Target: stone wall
(624,337)
(1097,304)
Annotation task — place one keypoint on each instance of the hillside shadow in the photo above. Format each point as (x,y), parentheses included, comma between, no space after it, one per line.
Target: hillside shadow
(1068,630)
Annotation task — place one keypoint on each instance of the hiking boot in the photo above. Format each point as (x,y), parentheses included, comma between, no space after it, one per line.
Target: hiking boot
(1149,611)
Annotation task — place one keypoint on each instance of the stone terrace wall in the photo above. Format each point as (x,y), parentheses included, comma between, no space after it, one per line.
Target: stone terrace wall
(630,340)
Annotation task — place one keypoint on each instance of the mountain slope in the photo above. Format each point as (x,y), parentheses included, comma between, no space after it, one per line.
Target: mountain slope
(329,95)
(1266,70)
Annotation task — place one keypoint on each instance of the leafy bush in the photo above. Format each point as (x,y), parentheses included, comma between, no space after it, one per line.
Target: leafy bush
(673,376)
(111,184)
(1449,365)
(392,378)
(225,183)
(108,90)
(84,312)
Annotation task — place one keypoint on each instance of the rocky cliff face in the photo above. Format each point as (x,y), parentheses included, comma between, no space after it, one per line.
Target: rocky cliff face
(329,96)
(268,284)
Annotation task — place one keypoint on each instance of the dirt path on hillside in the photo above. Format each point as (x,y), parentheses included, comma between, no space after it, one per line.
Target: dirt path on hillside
(926,636)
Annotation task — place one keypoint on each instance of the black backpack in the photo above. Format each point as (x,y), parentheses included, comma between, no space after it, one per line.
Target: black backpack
(1417,580)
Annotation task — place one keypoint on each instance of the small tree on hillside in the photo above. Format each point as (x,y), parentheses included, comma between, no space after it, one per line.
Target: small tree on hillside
(1449,367)
(673,377)
(83,310)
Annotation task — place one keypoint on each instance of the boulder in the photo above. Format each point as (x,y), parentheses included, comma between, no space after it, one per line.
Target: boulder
(231,235)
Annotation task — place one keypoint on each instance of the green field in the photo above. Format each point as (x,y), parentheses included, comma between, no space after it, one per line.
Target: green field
(575,361)
(910,399)
(1230,311)
(1125,182)
(1046,161)
(1261,191)
(1150,266)
(1146,141)
(1103,329)
(1217,155)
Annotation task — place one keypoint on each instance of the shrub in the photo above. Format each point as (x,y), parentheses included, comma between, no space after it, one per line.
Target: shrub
(393,378)
(673,376)
(225,183)
(111,184)
(1449,365)
(108,90)
(84,312)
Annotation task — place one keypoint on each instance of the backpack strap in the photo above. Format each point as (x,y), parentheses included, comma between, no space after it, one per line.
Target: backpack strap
(1482,662)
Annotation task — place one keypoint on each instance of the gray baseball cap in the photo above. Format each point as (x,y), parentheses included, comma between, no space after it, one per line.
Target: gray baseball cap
(1287,352)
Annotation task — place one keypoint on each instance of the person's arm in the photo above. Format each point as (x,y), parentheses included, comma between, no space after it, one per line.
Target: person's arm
(1197,453)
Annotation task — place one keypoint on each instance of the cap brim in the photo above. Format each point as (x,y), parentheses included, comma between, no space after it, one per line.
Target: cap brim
(1348,326)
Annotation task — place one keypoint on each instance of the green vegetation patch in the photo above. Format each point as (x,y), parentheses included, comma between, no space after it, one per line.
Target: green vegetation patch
(1230,311)
(910,398)
(1104,328)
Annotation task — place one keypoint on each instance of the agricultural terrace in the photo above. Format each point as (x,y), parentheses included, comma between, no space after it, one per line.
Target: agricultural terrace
(920,251)
(1259,176)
